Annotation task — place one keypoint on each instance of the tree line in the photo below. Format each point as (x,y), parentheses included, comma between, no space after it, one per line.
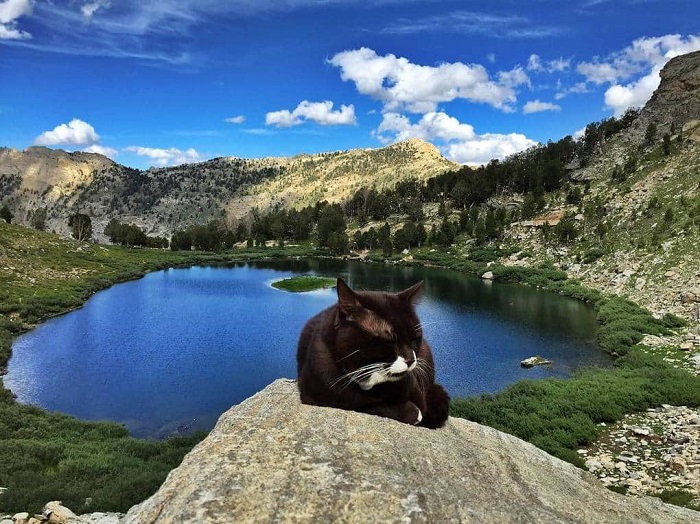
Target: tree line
(467,201)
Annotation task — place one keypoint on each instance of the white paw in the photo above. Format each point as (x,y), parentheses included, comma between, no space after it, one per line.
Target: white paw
(419,418)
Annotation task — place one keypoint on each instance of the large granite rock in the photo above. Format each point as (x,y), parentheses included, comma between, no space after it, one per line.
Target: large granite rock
(273,459)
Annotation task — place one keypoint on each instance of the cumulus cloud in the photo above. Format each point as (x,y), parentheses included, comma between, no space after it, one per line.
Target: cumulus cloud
(457,140)
(639,64)
(320,112)
(10,12)
(487,147)
(640,56)
(75,133)
(235,119)
(400,84)
(515,77)
(635,94)
(166,157)
(536,106)
(102,150)
(91,8)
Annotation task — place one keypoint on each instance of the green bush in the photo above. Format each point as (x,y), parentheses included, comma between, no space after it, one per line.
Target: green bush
(560,415)
(592,255)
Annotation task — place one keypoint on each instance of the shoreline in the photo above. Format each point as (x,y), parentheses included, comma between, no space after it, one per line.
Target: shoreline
(545,278)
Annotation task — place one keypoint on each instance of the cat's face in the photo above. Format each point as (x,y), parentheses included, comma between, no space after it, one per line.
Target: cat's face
(378,335)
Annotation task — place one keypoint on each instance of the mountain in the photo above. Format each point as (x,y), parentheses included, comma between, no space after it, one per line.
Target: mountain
(161,200)
(639,233)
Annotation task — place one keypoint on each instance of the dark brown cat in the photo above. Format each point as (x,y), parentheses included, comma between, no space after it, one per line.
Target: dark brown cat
(366,353)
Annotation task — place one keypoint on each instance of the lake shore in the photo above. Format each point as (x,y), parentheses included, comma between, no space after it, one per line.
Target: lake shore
(63,274)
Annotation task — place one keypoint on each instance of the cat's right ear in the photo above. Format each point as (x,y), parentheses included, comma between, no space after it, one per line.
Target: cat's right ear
(347,299)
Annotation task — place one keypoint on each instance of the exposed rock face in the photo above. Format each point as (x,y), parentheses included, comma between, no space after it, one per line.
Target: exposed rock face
(273,459)
(678,97)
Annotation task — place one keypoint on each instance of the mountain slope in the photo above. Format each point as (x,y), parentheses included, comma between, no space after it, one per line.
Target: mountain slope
(639,234)
(165,199)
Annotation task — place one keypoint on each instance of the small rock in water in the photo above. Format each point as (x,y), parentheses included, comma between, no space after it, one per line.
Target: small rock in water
(534,361)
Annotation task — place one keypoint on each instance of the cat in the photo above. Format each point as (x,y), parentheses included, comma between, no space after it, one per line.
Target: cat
(366,353)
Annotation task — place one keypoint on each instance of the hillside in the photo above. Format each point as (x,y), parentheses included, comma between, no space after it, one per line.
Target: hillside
(161,200)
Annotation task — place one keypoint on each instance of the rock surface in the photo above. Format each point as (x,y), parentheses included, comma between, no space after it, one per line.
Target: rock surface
(273,459)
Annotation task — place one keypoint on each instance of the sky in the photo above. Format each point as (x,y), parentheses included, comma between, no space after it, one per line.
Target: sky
(165,82)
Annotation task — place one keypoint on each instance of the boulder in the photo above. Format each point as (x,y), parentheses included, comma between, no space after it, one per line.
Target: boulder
(272,459)
(56,513)
(487,276)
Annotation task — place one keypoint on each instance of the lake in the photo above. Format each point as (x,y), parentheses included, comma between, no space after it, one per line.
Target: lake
(170,352)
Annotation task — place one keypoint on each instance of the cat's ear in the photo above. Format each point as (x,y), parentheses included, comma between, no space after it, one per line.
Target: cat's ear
(347,299)
(413,293)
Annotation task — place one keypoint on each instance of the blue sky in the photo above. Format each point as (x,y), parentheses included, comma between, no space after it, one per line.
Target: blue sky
(162,82)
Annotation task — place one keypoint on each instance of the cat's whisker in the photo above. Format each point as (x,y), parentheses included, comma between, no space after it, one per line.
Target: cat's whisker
(357,375)
(348,356)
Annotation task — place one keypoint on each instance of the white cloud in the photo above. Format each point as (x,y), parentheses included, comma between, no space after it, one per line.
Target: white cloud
(515,77)
(579,87)
(102,150)
(536,106)
(320,112)
(166,157)
(635,94)
(431,126)
(639,64)
(91,8)
(640,56)
(600,73)
(10,11)
(473,23)
(558,64)
(487,147)
(235,119)
(400,84)
(76,132)
(536,65)
(457,140)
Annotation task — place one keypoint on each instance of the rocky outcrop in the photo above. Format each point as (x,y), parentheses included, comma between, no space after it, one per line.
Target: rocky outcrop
(273,459)
(677,100)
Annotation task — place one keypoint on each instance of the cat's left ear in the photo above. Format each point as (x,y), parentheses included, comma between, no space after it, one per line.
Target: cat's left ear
(347,299)
(413,293)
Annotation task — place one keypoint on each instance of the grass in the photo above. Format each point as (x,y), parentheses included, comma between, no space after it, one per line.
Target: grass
(304,283)
(48,456)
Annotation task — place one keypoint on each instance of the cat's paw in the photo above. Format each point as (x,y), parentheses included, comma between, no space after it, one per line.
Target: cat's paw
(419,417)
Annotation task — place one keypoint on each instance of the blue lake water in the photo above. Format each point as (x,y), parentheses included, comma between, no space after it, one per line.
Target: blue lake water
(172,351)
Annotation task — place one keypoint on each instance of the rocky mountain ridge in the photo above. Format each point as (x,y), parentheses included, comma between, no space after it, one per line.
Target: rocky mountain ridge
(161,200)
